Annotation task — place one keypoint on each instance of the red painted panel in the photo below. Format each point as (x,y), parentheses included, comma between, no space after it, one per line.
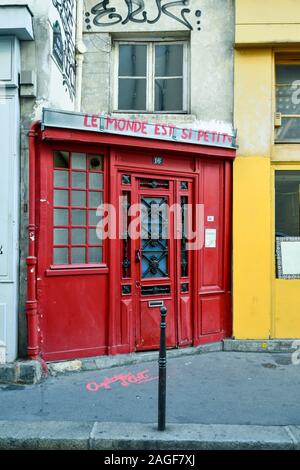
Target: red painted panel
(149,327)
(125,330)
(185,325)
(144,159)
(213,188)
(73,313)
(211,308)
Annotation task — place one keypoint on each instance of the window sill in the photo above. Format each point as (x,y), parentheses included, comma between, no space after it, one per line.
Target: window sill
(173,118)
(286,152)
(76,269)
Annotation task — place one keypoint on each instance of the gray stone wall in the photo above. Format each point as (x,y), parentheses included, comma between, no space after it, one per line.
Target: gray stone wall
(211,37)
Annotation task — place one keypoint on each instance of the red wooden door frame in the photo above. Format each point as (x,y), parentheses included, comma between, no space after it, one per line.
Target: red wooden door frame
(41,139)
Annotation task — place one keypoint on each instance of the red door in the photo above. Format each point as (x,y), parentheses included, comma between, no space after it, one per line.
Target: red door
(154,270)
(160,266)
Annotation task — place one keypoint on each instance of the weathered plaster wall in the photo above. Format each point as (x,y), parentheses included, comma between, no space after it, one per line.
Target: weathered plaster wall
(53,88)
(209,26)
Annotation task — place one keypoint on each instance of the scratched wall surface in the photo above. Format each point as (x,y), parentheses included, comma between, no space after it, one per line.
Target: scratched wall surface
(55,87)
(208,25)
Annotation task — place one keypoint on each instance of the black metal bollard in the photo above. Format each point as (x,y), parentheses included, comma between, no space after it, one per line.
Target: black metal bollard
(162,364)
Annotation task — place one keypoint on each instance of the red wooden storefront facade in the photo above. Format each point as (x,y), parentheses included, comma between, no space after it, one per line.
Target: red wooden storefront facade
(88,297)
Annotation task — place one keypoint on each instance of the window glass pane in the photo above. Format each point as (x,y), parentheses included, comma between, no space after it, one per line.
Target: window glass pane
(288,98)
(61,179)
(93,238)
(61,160)
(61,217)
(79,161)
(132,94)
(93,218)
(95,255)
(95,162)
(95,181)
(61,198)
(78,255)
(95,198)
(79,198)
(289,131)
(78,179)
(78,236)
(287,218)
(168,95)
(78,217)
(60,256)
(287,73)
(60,236)
(169,60)
(132,60)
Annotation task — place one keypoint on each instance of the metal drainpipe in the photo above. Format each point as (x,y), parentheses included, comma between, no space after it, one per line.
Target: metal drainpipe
(31,260)
(80,50)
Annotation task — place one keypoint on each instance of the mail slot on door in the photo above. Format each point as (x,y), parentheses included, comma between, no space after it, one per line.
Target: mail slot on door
(156,303)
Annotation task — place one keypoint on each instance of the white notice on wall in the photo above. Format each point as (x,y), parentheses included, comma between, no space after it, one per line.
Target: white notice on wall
(210,238)
(290,258)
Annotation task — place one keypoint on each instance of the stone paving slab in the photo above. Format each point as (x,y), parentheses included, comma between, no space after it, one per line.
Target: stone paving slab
(136,436)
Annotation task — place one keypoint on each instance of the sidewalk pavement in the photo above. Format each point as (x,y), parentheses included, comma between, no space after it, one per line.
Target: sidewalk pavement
(220,400)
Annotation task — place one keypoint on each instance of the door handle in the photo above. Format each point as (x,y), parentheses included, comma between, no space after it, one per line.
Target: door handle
(1,250)
(138,256)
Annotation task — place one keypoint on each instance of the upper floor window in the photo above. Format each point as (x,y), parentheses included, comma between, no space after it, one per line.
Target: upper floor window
(287,123)
(151,77)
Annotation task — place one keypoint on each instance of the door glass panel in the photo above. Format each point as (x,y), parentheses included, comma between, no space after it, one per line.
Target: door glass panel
(78,190)
(61,216)
(95,198)
(95,181)
(154,243)
(78,255)
(93,238)
(61,198)
(79,198)
(60,236)
(79,161)
(95,254)
(61,179)
(61,160)
(78,179)
(94,219)
(78,217)
(78,236)
(184,220)
(95,162)
(60,255)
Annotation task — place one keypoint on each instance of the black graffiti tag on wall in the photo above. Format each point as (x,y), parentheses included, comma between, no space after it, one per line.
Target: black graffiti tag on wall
(107,15)
(66,10)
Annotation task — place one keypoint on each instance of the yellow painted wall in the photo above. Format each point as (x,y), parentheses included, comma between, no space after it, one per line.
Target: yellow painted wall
(263,306)
(251,248)
(253,101)
(267,22)
(287,308)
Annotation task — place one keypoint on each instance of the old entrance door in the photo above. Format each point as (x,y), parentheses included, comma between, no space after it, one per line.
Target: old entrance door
(159,260)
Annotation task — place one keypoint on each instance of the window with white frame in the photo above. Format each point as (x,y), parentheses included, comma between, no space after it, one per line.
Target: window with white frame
(151,77)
